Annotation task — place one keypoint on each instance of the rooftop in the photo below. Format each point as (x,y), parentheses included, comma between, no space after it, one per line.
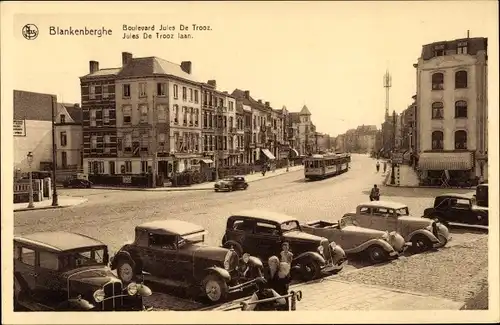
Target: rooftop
(59,241)
(171,227)
(32,106)
(265,215)
(305,111)
(74,111)
(384,204)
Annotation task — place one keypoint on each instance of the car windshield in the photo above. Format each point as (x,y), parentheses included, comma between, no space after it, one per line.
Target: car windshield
(402,212)
(195,238)
(83,258)
(290,226)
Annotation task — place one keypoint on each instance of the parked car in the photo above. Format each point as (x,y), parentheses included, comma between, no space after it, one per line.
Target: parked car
(173,252)
(481,195)
(231,183)
(261,233)
(378,246)
(77,183)
(63,271)
(422,233)
(457,208)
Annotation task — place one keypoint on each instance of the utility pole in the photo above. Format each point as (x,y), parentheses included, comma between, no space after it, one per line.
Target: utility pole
(393,180)
(155,142)
(54,154)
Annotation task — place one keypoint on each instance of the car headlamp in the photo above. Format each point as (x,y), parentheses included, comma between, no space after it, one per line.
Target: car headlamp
(385,236)
(99,295)
(320,250)
(132,288)
(246,257)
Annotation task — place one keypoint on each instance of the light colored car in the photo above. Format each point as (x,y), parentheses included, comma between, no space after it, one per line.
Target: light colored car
(423,234)
(377,245)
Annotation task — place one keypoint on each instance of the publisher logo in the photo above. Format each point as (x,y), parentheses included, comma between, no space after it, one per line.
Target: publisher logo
(30,31)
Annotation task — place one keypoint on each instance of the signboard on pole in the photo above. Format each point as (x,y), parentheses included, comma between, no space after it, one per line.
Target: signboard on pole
(19,128)
(397,158)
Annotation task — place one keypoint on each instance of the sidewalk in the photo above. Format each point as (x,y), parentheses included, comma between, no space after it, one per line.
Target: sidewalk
(64,202)
(208,186)
(330,294)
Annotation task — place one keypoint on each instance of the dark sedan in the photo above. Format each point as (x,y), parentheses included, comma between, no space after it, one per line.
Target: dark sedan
(231,183)
(77,183)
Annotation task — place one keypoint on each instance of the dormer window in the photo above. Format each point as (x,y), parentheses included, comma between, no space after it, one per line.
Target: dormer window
(62,117)
(439,50)
(462,48)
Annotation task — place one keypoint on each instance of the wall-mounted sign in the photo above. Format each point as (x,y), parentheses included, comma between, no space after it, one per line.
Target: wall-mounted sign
(19,128)
(127,179)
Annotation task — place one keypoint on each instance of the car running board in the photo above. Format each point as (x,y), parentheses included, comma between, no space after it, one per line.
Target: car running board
(464,225)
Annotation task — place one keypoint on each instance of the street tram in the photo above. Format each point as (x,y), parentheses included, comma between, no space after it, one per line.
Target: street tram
(326,165)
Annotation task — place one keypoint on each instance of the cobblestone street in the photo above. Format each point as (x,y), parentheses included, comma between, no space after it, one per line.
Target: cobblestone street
(111,215)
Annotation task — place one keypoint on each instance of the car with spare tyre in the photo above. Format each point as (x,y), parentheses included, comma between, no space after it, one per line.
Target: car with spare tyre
(174,253)
(457,209)
(64,271)
(421,233)
(376,245)
(262,233)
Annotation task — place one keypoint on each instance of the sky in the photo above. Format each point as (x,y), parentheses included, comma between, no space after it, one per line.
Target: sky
(330,56)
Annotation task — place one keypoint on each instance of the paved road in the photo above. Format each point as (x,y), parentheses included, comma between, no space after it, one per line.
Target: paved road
(112,215)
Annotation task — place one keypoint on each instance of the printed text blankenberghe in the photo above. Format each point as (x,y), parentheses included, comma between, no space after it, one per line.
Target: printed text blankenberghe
(99,32)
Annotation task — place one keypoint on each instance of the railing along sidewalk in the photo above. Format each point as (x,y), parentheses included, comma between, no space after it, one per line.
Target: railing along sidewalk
(294,297)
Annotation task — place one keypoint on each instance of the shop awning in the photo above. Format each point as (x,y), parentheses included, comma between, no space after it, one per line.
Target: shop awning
(446,161)
(268,154)
(293,153)
(207,161)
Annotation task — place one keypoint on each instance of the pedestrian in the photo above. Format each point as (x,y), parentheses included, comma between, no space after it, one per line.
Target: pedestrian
(278,278)
(286,255)
(263,292)
(374,193)
(377,166)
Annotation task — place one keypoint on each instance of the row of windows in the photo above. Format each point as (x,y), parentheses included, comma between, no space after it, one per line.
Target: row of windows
(460,140)
(188,94)
(211,100)
(440,50)
(460,80)
(460,109)
(213,142)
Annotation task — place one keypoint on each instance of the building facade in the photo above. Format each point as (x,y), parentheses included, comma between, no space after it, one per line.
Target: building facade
(452,107)
(69,138)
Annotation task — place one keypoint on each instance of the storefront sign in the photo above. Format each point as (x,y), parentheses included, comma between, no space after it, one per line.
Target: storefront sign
(19,128)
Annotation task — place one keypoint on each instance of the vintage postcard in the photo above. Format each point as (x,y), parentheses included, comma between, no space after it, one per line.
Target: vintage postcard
(187,162)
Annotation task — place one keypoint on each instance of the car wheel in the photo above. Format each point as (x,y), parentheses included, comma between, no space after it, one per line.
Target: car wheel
(245,187)
(311,270)
(125,271)
(216,190)
(214,288)
(420,243)
(376,254)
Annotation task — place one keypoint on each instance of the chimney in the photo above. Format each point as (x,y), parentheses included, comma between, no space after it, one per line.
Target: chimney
(186,66)
(126,58)
(94,66)
(212,83)
(247,94)
(267,104)
(468,33)
(260,101)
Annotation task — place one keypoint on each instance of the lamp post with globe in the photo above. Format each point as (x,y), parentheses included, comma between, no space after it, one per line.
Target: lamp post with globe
(29,158)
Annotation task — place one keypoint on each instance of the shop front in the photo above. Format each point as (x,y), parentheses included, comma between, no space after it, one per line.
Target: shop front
(446,169)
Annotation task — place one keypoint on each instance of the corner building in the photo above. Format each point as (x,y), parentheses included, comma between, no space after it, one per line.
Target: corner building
(452,109)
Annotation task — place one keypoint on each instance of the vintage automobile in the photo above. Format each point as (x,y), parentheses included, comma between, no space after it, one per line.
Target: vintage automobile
(77,183)
(173,252)
(377,245)
(457,209)
(261,233)
(231,183)
(63,271)
(422,233)
(481,196)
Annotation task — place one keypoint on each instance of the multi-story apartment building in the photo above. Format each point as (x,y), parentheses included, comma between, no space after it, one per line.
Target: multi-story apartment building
(141,117)
(293,131)
(240,132)
(452,114)
(249,141)
(99,124)
(68,128)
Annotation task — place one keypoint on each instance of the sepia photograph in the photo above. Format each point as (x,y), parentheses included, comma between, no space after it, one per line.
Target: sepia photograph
(186,161)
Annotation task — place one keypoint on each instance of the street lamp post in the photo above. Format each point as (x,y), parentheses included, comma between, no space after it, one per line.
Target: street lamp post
(393,179)
(55,201)
(29,157)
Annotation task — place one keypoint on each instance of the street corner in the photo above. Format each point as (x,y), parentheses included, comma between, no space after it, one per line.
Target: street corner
(63,202)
